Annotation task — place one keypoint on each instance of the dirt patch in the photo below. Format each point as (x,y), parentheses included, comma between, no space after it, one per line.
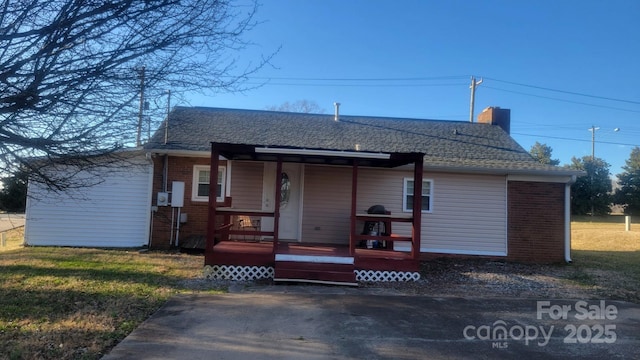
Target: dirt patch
(448,277)
(484,278)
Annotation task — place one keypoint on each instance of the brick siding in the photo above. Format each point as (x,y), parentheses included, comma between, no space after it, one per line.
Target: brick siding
(535,222)
(180,169)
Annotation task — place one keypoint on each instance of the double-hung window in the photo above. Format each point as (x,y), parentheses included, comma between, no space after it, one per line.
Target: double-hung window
(200,188)
(427,195)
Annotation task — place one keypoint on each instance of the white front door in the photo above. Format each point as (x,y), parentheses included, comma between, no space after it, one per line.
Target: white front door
(290,198)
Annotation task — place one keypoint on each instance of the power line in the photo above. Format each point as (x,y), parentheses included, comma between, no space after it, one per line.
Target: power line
(355,85)
(450,77)
(425,78)
(566,92)
(563,100)
(554,126)
(572,139)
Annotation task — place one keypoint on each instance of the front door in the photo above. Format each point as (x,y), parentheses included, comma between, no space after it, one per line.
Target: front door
(289,202)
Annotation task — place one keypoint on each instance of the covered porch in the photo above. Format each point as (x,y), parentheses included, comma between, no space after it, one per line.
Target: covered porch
(229,255)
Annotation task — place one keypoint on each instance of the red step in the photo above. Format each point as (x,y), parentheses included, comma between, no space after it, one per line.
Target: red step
(323,270)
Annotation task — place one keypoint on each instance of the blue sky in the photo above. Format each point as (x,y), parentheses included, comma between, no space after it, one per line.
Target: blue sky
(415,59)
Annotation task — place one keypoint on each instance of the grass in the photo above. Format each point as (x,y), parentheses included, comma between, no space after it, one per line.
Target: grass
(14,239)
(606,257)
(66,303)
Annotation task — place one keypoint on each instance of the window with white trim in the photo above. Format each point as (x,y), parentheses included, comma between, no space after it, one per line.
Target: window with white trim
(427,195)
(200,184)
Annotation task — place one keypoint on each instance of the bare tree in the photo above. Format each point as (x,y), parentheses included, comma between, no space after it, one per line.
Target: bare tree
(71,72)
(301,106)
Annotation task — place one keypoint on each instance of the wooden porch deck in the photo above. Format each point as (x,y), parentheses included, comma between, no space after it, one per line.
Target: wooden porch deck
(260,253)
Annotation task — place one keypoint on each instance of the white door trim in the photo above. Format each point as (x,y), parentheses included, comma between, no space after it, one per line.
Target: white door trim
(268,203)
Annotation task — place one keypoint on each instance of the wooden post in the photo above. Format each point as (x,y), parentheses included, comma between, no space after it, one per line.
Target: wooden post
(276,203)
(417,206)
(4,239)
(213,188)
(354,204)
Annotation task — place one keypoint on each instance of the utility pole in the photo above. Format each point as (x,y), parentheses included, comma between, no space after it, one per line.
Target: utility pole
(593,157)
(473,86)
(593,141)
(166,123)
(141,109)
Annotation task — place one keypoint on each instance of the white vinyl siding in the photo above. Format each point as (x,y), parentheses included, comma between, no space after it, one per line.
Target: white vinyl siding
(470,218)
(114,213)
(327,204)
(246,184)
(470,215)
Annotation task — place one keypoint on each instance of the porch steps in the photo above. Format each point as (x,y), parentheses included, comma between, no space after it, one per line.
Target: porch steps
(334,270)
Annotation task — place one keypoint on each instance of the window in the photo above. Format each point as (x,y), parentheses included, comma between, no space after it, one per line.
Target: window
(200,188)
(285,190)
(427,195)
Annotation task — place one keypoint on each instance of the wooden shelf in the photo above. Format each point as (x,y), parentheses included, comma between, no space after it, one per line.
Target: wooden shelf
(246,212)
(391,237)
(384,217)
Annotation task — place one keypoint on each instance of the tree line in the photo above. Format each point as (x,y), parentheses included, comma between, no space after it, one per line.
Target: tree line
(594,193)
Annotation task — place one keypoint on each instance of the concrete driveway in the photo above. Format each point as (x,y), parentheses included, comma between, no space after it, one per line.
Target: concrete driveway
(316,322)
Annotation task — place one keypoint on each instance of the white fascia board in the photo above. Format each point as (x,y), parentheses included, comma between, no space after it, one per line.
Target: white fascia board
(560,176)
(563,179)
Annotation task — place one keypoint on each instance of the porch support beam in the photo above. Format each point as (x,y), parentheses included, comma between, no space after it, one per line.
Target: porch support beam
(276,204)
(354,204)
(213,181)
(417,206)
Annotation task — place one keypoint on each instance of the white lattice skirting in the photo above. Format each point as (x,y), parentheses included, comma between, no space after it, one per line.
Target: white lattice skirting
(241,273)
(374,275)
(238,273)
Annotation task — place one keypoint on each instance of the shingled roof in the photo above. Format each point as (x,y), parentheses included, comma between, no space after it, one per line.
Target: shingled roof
(446,144)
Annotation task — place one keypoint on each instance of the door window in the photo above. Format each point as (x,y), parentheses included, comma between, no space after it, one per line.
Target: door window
(285,190)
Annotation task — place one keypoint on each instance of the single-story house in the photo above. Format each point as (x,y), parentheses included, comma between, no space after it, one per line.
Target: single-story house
(312,197)
(333,198)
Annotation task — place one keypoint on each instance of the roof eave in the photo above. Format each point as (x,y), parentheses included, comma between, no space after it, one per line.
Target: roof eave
(504,171)
(184,153)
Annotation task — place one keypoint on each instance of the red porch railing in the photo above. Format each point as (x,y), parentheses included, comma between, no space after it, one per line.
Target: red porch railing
(415,218)
(387,219)
(222,231)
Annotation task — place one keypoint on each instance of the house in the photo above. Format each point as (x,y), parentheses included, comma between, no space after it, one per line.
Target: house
(292,194)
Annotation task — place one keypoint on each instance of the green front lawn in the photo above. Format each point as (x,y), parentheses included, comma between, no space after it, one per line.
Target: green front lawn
(67,303)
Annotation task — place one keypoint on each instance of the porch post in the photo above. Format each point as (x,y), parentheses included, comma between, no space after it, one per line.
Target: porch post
(354,204)
(417,206)
(213,181)
(276,203)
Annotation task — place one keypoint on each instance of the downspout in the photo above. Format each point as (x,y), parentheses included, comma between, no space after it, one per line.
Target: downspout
(567,219)
(149,157)
(165,172)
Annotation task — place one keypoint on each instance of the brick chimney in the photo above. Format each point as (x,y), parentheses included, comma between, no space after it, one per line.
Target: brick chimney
(493,115)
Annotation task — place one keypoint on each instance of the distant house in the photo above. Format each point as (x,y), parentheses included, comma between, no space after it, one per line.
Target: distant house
(286,195)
